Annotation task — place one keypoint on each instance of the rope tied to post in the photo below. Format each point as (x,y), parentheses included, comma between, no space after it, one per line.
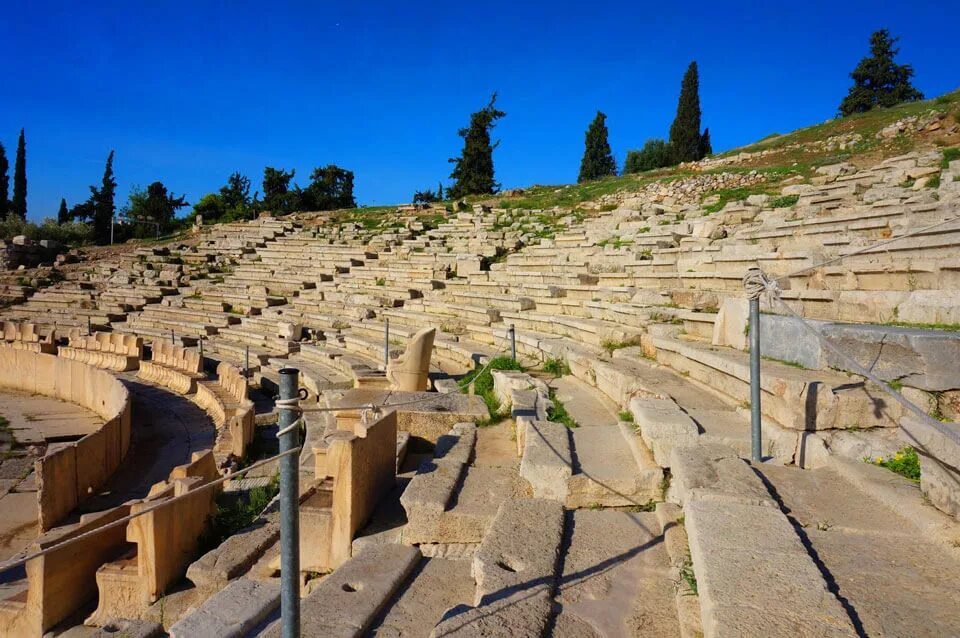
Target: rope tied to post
(756,282)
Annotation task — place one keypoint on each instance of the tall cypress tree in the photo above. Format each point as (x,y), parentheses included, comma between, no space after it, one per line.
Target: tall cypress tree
(705,147)
(63,215)
(473,170)
(102,200)
(685,138)
(878,80)
(597,159)
(4,183)
(20,178)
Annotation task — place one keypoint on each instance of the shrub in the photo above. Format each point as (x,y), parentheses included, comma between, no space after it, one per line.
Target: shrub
(949,155)
(556,367)
(654,154)
(483,382)
(70,233)
(784,202)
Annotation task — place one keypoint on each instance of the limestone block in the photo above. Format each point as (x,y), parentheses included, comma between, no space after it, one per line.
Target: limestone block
(939,462)
(714,473)
(547,460)
(729,327)
(232,612)
(663,426)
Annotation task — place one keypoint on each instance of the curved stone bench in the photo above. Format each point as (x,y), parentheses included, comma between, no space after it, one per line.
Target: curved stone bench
(108,350)
(69,473)
(173,367)
(225,400)
(26,336)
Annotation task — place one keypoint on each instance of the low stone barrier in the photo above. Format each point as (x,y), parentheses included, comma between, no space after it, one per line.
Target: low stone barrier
(173,367)
(166,539)
(63,580)
(69,473)
(107,350)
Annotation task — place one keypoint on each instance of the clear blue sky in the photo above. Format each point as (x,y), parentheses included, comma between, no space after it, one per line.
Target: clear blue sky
(187,92)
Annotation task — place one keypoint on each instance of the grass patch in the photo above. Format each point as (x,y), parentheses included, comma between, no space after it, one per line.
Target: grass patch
(556,367)
(947,327)
(483,384)
(905,462)
(611,344)
(786,362)
(558,413)
(784,202)
(381,281)
(949,155)
(234,512)
(933,181)
(625,415)
(649,506)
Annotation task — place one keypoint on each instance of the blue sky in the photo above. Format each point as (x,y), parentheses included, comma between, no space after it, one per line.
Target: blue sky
(187,92)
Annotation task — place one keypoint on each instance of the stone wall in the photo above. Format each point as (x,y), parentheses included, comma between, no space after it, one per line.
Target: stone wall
(21,251)
(69,473)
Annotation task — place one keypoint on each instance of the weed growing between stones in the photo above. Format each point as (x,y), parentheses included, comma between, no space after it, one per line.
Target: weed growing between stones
(558,413)
(688,577)
(483,385)
(235,511)
(556,367)
(610,345)
(905,462)
(625,415)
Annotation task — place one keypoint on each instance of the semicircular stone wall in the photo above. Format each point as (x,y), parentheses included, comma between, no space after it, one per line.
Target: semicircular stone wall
(70,473)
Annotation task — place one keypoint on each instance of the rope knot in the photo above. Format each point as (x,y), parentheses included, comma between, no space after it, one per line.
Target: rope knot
(756,282)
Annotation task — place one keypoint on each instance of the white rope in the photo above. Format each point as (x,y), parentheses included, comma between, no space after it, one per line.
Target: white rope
(759,281)
(126,519)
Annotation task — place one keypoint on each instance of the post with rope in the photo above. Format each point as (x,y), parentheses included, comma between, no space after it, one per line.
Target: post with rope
(289,435)
(755,284)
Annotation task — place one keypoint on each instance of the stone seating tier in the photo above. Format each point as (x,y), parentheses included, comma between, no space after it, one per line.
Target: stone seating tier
(112,351)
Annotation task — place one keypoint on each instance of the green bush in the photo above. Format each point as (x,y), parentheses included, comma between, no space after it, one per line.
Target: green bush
(70,234)
(556,367)
(483,382)
(784,202)
(654,154)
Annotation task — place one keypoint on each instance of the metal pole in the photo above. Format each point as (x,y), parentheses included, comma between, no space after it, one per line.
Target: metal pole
(756,448)
(289,511)
(202,362)
(89,330)
(113,220)
(173,336)
(386,344)
(513,342)
(246,371)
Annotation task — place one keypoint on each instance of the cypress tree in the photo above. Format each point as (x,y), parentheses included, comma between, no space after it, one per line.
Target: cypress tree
(597,159)
(878,80)
(705,147)
(685,139)
(20,178)
(4,183)
(439,191)
(102,201)
(473,170)
(63,215)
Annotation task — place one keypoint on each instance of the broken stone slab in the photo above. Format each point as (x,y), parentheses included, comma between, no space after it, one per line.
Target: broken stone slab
(346,602)
(429,419)
(714,472)
(515,570)
(663,426)
(233,557)
(232,612)
(939,462)
(754,576)
(547,462)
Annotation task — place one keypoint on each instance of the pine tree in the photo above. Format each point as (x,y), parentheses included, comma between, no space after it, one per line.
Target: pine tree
(4,183)
(685,138)
(473,170)
(705,147)
(20,178)
(597,159)
(102,203)
(878,80)
(63,215)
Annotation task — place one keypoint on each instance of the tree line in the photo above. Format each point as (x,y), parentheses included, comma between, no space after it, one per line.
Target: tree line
(878,81)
